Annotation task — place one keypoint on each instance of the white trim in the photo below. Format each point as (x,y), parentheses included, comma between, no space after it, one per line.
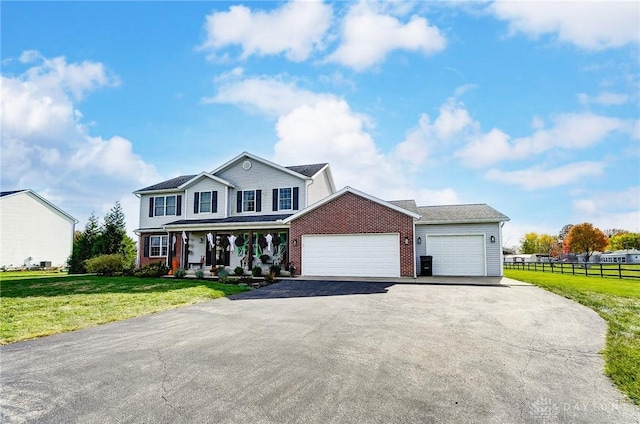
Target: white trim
(261,160)
(351,190)
(203,175)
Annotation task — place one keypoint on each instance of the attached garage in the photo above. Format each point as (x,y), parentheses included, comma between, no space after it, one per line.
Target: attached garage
(457,255)
(353,234)
(351,255)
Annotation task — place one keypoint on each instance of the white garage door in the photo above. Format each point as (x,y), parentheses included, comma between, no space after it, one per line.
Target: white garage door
(457,255)
(351,255)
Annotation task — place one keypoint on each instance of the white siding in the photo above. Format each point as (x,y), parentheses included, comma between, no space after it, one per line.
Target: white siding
(31,228)
(260,177)
(147,221)
(204,184)
(493,251)
(320,188)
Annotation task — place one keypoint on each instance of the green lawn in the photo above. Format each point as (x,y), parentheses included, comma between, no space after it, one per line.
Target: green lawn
(618,302)
(35,307)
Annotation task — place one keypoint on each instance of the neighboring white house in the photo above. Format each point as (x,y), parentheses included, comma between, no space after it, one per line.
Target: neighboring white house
(33,231)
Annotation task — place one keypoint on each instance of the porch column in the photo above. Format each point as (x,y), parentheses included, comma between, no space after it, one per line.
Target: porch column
(250,251)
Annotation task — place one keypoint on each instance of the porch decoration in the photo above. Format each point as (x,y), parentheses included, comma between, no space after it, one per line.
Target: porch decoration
(231,239)
(269,239)
(262,242)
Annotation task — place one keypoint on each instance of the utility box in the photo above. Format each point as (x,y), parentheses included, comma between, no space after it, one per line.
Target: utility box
(426,266)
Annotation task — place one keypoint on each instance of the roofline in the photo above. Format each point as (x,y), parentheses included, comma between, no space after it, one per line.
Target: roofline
(463,221)
(205,174)
(351,190)
(75,221)
(165,190)
(332,183)
(261,160)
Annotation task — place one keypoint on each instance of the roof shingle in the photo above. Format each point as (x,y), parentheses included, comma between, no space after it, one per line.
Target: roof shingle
(307,170)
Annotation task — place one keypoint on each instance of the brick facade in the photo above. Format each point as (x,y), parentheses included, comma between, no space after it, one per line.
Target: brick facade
(354,214)
(145,260)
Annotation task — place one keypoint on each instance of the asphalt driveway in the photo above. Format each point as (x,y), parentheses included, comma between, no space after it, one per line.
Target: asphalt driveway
(327,352)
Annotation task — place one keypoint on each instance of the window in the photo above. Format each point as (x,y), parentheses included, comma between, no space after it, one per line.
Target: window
(165,205)
(205,202)
(248,201)
(285,199)
(158,245)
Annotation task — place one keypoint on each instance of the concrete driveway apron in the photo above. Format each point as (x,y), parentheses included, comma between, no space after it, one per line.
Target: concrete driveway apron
(328,352)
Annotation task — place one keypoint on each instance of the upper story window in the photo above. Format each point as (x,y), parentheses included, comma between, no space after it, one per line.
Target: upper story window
(249,201)
(205,202)
(285,198)
(165,205)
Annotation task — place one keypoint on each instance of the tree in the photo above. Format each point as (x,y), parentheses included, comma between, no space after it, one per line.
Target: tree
(624,241)
(108,239)
(564,231)
(549,245)
(529,243)
(585,238)
(84,246)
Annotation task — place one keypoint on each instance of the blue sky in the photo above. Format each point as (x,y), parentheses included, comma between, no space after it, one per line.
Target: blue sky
(531,107)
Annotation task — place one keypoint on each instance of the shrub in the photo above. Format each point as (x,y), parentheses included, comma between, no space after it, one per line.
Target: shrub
(225,280)
(256,271)
(199,274)
(152,270)
(105,265)
(180,273)
(223,273)
(239,271)
(275,270)
(270,278)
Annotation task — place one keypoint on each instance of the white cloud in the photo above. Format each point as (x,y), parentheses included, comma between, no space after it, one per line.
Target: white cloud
(605,210)
(571,131)
(369,36)
(270,96)
(453,119)
(586,24)
(295,29)
(46,146)
(538,176)
(604,99)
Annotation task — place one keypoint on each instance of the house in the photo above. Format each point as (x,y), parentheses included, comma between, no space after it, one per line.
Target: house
(251,211)
(35,232)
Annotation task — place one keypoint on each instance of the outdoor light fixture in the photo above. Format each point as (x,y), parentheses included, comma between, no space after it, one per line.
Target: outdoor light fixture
(419,240)
(406,240)
(295,242)
(493,239)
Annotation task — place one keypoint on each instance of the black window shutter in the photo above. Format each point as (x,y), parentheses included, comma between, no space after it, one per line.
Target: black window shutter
(275,199)
(179,205)
(295,198)
(214,201)
(196,202)
(258,200)
(239,202)
(150,206)
(146,246)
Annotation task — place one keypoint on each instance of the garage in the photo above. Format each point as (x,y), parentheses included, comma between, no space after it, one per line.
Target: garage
(351,255)
(457,255)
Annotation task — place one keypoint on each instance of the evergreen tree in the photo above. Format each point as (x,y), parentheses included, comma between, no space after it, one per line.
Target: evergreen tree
(84,246)
(112,231)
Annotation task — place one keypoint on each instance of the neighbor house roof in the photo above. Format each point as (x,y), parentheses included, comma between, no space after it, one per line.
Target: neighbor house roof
(42,200)
(450,214)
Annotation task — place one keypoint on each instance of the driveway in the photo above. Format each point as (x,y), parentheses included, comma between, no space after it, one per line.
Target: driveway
(327,352)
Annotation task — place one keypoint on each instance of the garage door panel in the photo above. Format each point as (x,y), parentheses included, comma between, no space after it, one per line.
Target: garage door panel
(351,255)
(461,255)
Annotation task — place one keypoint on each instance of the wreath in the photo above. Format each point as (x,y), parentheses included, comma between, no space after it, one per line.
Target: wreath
(239,241)
(276,240)
(262,242)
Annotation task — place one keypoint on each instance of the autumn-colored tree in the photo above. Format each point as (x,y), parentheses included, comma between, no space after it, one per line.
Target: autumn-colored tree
(529,243)
(624,241)
(585,238)
(548,245)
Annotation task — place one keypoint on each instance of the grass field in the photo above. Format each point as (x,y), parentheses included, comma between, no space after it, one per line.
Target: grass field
(618,302)
(39,306)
